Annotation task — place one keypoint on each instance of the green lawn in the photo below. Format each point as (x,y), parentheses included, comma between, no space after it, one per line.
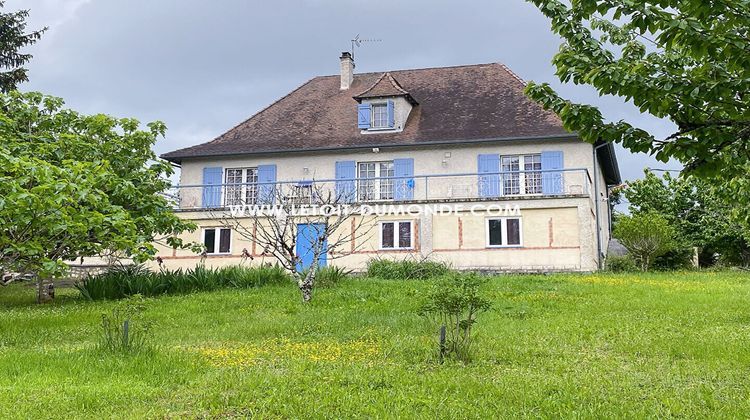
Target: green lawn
(563,345)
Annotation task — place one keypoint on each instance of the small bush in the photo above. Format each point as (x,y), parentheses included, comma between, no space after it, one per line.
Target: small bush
(454,301)
(406,269)
(123,329)
(646,236)
(621,264)
(122,282)
(330,276)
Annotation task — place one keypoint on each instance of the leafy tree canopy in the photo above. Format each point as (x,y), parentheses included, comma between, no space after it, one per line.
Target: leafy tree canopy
(691,205)
(74,185)
(683,60)
(646,235)
(13,37)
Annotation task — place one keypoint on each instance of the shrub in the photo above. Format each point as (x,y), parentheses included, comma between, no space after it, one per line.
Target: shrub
(406,269)
(330,276)
(122,282)
(646,236)
(621,264)
(124,330)
(678,258)
(454,301)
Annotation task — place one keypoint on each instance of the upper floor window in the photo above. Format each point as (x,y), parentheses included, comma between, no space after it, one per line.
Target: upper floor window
(241,186)
(373,183)
(515,181)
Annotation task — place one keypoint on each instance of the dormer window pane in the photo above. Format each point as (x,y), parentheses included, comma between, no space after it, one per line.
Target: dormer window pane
(380,116)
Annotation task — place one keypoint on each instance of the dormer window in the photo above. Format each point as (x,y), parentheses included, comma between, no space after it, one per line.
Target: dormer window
(380,116)
(377,115)
(378,104)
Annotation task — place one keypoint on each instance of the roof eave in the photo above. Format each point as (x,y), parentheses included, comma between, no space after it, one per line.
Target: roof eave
(610,167)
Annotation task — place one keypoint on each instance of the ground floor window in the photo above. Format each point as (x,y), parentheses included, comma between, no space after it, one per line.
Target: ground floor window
(217,240)
(396,235)
(505,231)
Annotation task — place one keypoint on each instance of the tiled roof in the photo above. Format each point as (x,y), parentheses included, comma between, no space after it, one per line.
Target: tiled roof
(456,104)
(385,86)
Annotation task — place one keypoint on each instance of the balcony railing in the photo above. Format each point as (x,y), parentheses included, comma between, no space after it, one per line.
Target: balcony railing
(419,188)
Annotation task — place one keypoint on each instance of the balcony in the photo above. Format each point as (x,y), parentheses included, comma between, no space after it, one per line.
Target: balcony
(439,188)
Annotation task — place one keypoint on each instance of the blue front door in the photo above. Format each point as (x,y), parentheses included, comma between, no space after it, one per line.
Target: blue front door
(307,236)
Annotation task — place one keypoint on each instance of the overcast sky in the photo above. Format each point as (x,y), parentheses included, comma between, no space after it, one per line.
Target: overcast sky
(202,67)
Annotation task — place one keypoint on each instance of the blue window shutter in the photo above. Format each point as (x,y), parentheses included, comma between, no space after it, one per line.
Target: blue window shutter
(363,116)
(552,182)
(346,171)
(489,185)
(403,188)
(266,181)
(212,187)
(391,114)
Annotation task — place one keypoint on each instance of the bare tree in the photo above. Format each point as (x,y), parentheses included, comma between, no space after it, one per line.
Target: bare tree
(278,217)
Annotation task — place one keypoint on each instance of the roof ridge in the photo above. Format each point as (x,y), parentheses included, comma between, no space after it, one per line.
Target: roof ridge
(512,73)
(395,83)
(418,68)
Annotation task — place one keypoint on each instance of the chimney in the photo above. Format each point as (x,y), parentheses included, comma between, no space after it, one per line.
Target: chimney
(347,70)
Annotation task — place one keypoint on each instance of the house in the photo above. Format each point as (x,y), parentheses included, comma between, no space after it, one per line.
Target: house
(458,137)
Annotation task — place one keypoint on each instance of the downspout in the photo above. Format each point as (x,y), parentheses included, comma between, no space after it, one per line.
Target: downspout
(596,207)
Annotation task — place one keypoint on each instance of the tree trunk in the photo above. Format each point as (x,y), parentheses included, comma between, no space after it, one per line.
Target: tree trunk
(40,289)
(306,288)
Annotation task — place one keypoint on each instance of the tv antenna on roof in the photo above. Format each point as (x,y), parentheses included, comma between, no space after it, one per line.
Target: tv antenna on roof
(357,42)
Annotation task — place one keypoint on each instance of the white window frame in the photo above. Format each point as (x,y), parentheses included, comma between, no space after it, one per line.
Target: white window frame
(379,105)
(377,182)
(396,235)
(244,185)
(522,190)
(504,233)
(217,239)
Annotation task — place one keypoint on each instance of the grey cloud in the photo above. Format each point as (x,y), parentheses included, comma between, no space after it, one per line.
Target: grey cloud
(202,67)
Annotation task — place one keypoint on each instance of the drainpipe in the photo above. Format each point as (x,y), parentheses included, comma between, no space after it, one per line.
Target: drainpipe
(596,206)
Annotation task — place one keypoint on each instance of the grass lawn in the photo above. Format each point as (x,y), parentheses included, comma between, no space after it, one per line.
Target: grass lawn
(564,345)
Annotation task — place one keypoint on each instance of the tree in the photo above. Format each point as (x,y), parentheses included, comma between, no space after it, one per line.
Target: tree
(692,207)
(455,301)
(13,37)
(323,217)
(686,61)
(645,235)
(75,186)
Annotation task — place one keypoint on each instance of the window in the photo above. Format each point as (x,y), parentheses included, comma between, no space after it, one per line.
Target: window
(395,235)
(217,240)
(504,231)
(380,116)
(511,181)
(373,184)
(301,193)
(533,179)
(241,186)
(517,182)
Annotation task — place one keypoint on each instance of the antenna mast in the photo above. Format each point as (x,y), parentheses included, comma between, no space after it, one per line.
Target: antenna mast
(357,42)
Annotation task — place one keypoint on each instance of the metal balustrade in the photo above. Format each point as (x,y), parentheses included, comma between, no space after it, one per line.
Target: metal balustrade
(419,188)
